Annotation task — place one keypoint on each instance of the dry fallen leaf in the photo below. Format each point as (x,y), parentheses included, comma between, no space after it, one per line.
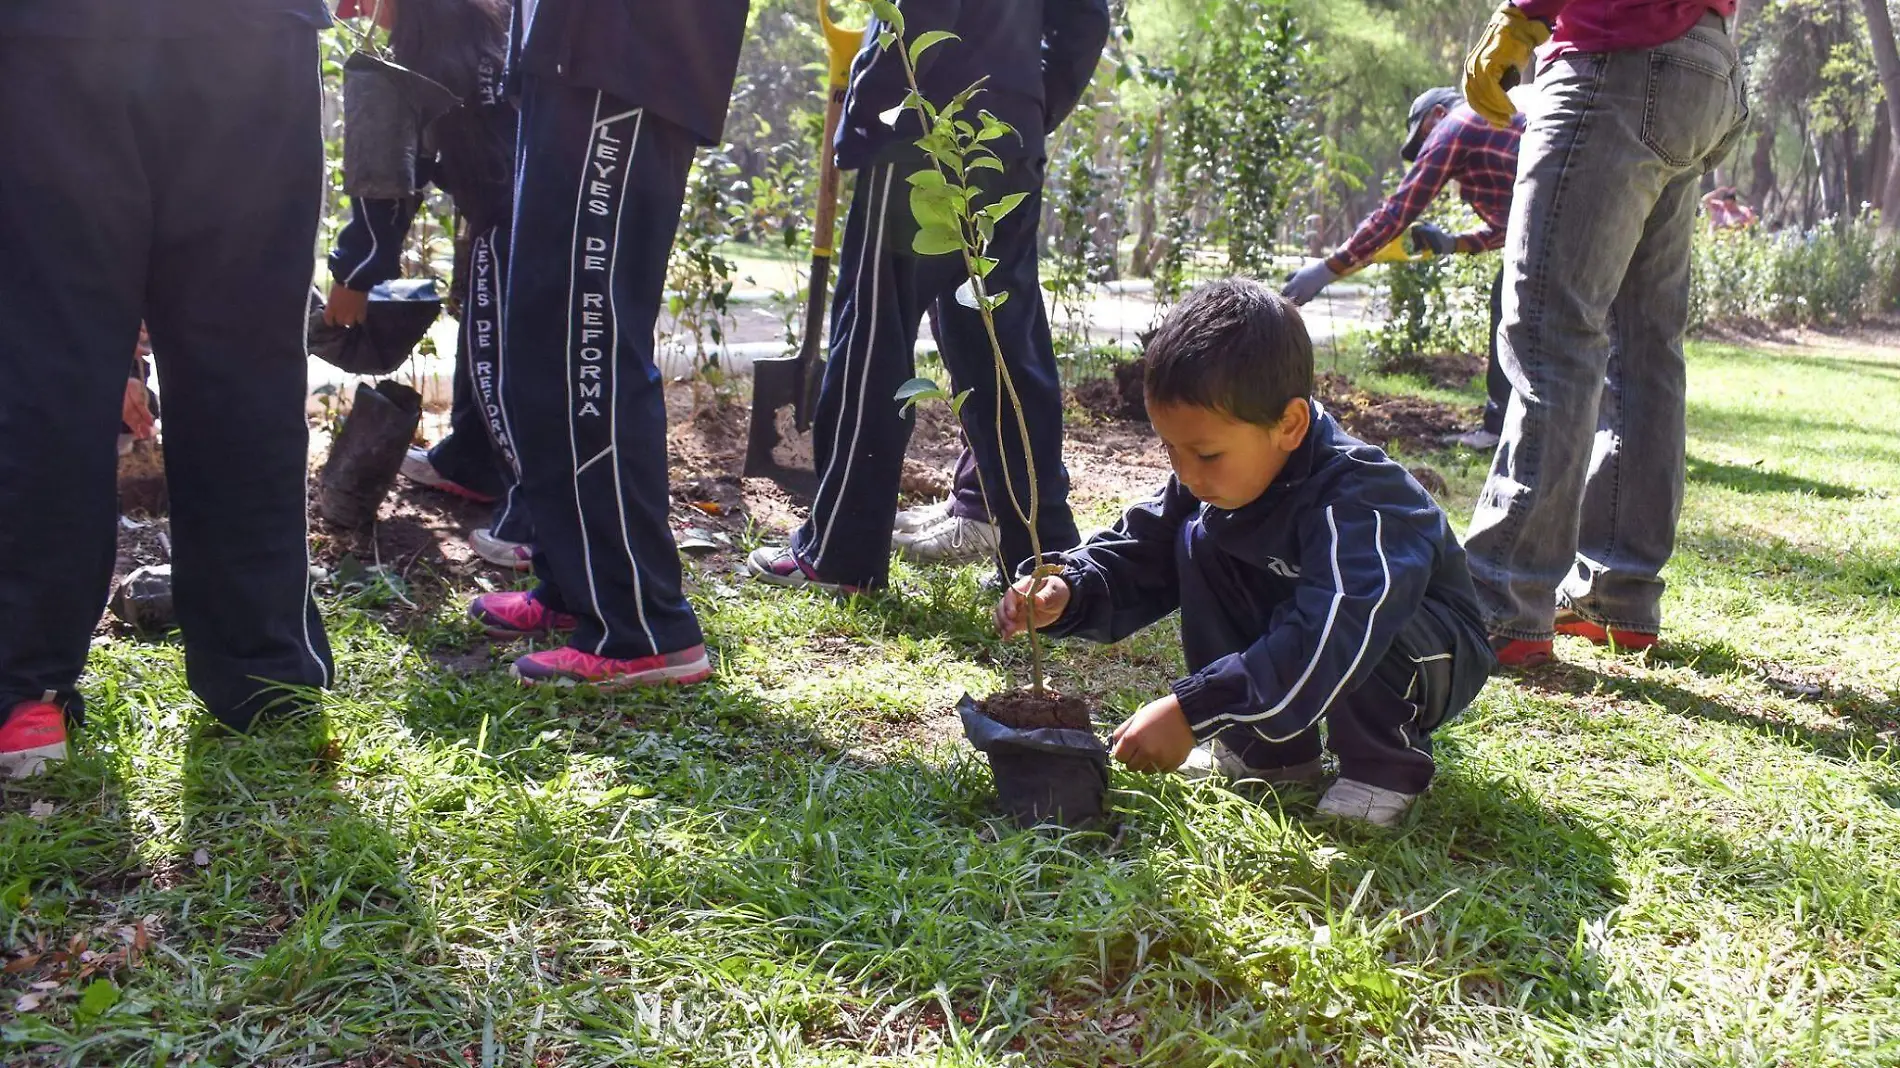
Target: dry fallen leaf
(15,967)
(26,1003)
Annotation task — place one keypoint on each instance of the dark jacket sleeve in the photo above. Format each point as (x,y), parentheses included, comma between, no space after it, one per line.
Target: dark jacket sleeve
(1074,33)
(1124,578)
(369,249)
(878,79)
(1362,575)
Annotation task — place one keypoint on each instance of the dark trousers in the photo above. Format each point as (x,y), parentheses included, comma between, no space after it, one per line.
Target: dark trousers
(178,181)
(600,189)
(479,452)
(859,434)
(1380,731)
(1497,385)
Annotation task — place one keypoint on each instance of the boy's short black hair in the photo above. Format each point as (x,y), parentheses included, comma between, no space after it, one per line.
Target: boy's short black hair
(1234,346)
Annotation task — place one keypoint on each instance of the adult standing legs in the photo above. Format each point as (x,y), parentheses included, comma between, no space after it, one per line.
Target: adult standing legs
(100,229)
(225,309)
(1609,138)
(1633,492)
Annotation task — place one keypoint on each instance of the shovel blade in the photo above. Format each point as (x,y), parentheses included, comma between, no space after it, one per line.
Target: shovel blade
(777,384)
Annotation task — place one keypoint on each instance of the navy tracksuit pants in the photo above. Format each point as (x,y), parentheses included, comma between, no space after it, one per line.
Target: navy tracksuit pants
(859,434)
(1381,731)
(479,452)
(597,203)
(177,181)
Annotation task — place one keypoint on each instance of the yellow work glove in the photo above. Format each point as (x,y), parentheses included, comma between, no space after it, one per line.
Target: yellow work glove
(1506,46)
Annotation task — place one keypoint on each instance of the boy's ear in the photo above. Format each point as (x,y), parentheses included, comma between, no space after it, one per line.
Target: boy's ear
(1294,422)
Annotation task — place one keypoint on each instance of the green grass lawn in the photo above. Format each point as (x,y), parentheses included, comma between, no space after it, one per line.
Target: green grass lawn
(1689,859)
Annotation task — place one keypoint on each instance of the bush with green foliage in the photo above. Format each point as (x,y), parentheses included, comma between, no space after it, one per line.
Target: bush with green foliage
(1839,272)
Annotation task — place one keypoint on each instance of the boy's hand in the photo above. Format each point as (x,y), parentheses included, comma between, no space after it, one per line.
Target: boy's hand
(346,306)
(1156,738)
(1052,597)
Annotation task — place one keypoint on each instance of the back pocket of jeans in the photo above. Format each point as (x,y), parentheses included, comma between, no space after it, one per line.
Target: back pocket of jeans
(1684,110)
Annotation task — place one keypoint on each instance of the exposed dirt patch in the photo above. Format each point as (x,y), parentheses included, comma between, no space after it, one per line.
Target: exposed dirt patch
(142,480)
(1024,710)
(1116,396)
(1454,370)
(1413,423)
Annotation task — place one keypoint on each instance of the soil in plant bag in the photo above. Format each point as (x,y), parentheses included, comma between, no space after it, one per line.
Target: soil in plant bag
(1026,711)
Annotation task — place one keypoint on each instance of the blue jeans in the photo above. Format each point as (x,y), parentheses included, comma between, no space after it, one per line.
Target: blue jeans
(1581,504)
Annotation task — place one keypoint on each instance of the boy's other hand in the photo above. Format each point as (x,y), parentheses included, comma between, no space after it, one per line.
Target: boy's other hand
(1052,598)
(1157,738)
(346,306)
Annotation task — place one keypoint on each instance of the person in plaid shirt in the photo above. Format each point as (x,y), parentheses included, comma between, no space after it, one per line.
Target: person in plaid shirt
(1445,141)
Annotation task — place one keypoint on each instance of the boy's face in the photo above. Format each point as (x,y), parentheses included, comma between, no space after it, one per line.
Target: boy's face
(1222,460)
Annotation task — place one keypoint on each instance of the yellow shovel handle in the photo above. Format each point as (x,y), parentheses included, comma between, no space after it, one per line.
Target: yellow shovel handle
(841,45)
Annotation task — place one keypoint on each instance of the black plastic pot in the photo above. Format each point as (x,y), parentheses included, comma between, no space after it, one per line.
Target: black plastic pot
(1047,775)
(143,600)
(368,452)
(386,107)
(397,318)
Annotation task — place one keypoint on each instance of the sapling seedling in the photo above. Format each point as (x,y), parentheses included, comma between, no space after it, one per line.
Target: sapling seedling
(943,201)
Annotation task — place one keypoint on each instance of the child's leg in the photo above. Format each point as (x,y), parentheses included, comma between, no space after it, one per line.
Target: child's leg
(1378,732)
(1256,752)
(1220,616)
(599,194)
(1382,730)
(860,432)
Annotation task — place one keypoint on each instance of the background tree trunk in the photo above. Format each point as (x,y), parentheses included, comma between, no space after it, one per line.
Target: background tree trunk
(1887,62)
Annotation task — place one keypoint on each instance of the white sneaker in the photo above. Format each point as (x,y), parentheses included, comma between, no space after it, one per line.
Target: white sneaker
(500,551)
(950,540)
(417,468)
(1365,803)
(1480,439)
(1214,758)
(912,520)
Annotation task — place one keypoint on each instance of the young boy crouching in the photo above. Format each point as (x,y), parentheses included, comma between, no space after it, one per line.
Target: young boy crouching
(1316,579)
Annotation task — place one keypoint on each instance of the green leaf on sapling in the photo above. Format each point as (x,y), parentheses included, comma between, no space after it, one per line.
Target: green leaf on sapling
(998,211)
(925,41)
(937,241)
(917,391)
(887,13)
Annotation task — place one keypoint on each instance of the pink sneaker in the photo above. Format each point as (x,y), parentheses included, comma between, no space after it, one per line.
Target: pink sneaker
(517,615)
(568,666)
(33,736)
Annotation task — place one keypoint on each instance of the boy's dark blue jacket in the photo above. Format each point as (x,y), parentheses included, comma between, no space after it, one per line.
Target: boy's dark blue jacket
(676,58)
(1345,545)
(1034,57)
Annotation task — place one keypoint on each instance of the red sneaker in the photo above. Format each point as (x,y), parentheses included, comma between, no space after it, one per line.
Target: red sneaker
(568,666)
(1572,622)
(1520,653)
(33,736)
(517,615)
